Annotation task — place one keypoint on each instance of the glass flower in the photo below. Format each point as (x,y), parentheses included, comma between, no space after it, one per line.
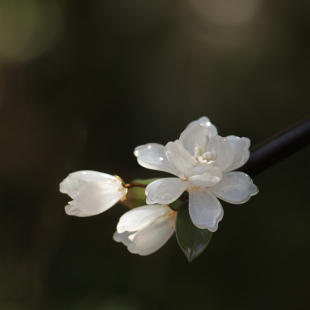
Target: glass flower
(146,229)
(203,163)
(92,192)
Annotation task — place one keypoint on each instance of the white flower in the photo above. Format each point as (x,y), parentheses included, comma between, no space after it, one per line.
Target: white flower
(146,229)
(92,192)
(202,162)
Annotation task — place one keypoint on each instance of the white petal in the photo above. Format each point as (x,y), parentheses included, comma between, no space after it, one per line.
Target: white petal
(204,121)
(124,237)
(240,147)
(96,197)
(153,156)
(74,181)
(194,135)
(165,191)
(205,209)
(224,152)
(179,157)
(140,217)
(205,175)
(72,210)
(235,187)
(203,180)
(153,237)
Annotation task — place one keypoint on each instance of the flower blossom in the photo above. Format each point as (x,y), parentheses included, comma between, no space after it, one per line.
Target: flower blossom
(146,229)
(203,163)
(92,192)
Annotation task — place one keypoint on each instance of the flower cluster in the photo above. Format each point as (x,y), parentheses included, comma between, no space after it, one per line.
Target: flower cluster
(202,163)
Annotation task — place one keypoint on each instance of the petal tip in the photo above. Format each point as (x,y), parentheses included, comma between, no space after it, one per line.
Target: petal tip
(214,228)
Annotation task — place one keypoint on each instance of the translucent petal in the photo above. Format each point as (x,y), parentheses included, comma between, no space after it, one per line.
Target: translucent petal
(224,152)
(131,237)
(205,175)
(240,147)
(123,238)
(204,121)
(140,217)
(153,156)
(205,209)
(165,191)
(179,157)
(72,210)
(74,181)
(194,135)
(96,197)
(235,187)
(153,237)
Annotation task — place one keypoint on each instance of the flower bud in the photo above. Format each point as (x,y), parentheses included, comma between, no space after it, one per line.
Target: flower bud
(92,192)
(146,229)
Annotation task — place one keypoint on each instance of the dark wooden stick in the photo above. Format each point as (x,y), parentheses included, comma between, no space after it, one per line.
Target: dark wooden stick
(278,147)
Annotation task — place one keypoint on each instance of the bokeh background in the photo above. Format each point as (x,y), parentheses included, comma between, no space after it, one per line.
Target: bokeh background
(82,83)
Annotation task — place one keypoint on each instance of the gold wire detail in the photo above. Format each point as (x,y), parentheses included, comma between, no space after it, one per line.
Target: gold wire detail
(120,179)
(125,196)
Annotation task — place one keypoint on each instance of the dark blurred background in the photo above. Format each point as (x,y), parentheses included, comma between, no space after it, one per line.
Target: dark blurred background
(82,83)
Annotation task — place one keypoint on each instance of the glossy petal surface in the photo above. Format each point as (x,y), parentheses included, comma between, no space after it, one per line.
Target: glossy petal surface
(153,156)
(205,209)
(224,152)
(165,191)
(240,147)
(96,197)
(204,121)
(205,175)
(74,211)
(141,217)
(153,237)
(123,237)
(74,181)
(235,187)
(194,135)
(179,157)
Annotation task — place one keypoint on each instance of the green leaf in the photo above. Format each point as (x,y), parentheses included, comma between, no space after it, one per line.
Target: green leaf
(176,205)
(136,195)
(192,240)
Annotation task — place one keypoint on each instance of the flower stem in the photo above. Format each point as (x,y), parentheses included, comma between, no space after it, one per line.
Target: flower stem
(129,185)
